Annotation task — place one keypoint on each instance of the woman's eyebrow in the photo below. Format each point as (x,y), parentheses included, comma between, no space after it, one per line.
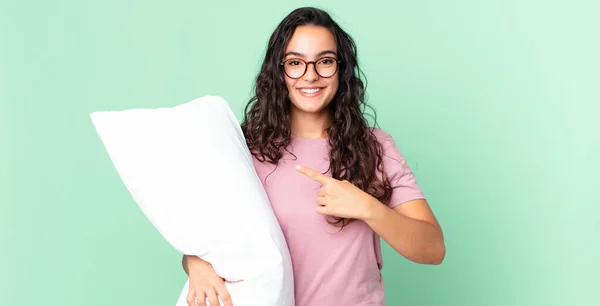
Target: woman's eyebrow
(294,54)
(298,54)
(326,52)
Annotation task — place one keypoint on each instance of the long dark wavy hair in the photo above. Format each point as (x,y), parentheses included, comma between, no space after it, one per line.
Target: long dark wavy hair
(355,154)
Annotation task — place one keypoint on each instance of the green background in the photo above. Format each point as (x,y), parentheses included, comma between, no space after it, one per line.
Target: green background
(493,103)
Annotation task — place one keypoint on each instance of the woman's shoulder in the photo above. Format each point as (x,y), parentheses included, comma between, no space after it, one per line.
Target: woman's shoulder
(381,135)
(388,143)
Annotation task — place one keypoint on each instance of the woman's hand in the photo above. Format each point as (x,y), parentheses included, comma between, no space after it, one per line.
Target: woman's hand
(205,283)
(340,198)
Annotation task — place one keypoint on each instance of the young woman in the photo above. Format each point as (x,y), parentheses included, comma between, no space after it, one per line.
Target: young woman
(336,185)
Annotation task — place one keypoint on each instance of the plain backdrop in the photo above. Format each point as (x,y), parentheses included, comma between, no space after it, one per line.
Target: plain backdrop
(493,103)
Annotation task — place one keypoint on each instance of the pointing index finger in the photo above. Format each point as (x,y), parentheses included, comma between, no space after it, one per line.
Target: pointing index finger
(313,174)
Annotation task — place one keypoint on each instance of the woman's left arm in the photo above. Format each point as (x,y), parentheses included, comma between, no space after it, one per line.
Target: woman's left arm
(409,228)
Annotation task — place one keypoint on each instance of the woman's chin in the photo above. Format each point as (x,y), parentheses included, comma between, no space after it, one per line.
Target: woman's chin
(309,105)
(310,108)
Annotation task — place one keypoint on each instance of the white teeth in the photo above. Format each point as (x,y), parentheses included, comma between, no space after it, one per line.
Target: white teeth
(310,90)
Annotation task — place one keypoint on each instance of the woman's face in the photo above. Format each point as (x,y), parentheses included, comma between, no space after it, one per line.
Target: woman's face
(311,93)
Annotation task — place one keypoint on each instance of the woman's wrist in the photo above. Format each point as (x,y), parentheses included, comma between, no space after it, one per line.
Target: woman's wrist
(374,210)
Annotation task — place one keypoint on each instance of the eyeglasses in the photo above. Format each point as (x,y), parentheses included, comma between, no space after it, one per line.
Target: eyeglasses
(325,67)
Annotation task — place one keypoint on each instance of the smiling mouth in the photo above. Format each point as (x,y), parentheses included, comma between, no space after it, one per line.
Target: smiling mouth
(310,92)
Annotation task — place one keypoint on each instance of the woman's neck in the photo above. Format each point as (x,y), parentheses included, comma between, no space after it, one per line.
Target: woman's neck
(309,125)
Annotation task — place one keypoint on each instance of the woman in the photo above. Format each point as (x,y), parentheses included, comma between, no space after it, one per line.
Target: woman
(335,184)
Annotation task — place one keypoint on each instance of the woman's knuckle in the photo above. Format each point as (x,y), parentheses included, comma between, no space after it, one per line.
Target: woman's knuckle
(226,297)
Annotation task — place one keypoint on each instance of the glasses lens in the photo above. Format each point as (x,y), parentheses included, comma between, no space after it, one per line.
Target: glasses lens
(326,67)
(294,68)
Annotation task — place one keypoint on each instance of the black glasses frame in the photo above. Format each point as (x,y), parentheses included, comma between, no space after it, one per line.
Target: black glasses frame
(306,63)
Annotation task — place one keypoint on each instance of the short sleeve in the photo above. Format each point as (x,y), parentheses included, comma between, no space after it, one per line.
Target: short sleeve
(402,179)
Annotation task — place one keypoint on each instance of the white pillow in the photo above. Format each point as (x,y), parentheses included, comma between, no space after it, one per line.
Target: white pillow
(189,170)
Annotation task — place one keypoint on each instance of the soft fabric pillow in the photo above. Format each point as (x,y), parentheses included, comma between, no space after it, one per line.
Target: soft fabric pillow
(189,170)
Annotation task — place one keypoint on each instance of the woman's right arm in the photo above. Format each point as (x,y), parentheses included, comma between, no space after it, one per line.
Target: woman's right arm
(204,283)
(184,263)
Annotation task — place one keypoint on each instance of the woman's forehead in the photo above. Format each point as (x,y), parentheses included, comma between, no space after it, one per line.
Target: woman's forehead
(310,41)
